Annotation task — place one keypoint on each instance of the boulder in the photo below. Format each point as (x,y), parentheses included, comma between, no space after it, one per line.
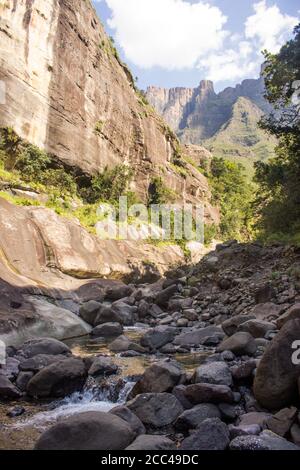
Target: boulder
(107,330)
(162,298)
(264,294)
(46,346)
(243,371)
(148,442)
(295,434)
(118,312)
(131,419)
(240,344)
(156,409)
(158,337)
(282,421)
(7,389)
(89,311)
(275,383)
(208,393)
(190,419)
(87,431)
(122,343)
(158,378)
(10,368)
(217,373)
(255,418)
(118,292)
(231,325)
(237,431)
(265,441)
(291,314)
(211,434)
(257,328)
(195,337)
(58,380)
(23,379)
(103,366)
(38,362)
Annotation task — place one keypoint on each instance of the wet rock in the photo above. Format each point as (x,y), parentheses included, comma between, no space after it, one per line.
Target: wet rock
(156,409)
(211,434)
(265,441)
(88,431)
(196,337)
(275,383)
(179,392)
(190,419)
(107,330)
(46,346)
(240,344)
(158,378)
(148,442)
(118,293)
(23,379)
(122,343)
(158,337)
(58,380)
(163,297)
(291,314)
(131,419)
(231,325)
(208,393)
(102,366)
(89,311)
(257,328)
(217,373)
(282,421)
(38,362)
(7,389)
(16,411)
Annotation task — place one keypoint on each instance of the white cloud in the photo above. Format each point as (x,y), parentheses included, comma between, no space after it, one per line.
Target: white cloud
(172,34)
(268,27)
(176,34)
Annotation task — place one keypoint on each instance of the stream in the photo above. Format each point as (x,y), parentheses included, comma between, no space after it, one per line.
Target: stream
(22,432)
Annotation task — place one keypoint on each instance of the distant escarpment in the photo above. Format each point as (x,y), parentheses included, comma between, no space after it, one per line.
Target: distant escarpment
(225,123)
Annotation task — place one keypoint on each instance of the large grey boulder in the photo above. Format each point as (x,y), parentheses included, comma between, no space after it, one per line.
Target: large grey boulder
(217,373)
(131,419)
(107,330)
(88,431)
(291,314)
(123,343)
(58,380)
(163,297)
(46,346)
(158,378)
(103,366)
(257,328)
(89,311)
(231,325)
(118,312)
(156,409)
(208,393)
(191,419)
(158,337)
(240,344)
(38,362)
(211,434)
(275,383)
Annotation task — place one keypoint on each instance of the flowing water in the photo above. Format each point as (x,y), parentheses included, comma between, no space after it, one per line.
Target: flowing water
(23,432)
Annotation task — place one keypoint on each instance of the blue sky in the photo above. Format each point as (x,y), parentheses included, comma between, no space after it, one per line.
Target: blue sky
(172,43)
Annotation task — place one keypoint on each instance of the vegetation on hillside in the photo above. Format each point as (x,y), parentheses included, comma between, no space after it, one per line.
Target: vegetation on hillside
(278,196)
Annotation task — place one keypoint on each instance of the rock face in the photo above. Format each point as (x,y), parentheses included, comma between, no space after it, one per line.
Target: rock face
(84,108)
(88,431)
(223,121)
(275,384)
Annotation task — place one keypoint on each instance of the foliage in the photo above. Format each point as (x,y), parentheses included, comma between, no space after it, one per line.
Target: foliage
(278,196)
(233,194)
(159,193)
(109,185)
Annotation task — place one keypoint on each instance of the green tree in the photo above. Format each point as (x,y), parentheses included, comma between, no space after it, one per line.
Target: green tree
(278,196)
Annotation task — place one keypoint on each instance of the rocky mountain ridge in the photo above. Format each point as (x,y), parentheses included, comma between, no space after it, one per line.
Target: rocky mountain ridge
(201,116)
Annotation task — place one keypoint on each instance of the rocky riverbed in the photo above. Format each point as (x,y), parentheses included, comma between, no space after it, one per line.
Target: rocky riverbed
(202,359)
